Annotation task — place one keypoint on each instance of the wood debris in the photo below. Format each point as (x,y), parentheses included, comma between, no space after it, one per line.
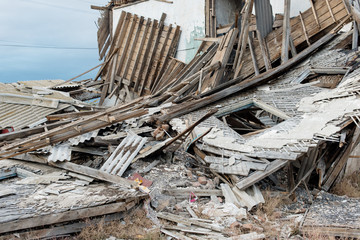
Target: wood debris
(216,121)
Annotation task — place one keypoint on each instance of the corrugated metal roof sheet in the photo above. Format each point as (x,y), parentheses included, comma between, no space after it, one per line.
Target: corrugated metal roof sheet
(61,152)
(121,158)
(19,116)
(264,16)
(41,83)
(84,137)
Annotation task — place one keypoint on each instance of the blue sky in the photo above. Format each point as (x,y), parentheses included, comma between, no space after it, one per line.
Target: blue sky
(40,23)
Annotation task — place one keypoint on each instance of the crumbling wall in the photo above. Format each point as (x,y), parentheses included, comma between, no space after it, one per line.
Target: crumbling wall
(188,14)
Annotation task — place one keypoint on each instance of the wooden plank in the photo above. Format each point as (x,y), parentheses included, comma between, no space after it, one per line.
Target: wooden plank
(93,173)
(190,128)
(253,55)
(274,38)
(161,56)
(124,50)
(239,57)
(259,175)
(341,163)
(117,32)
(120,41)
(191,82)
(175,235)
(30,131)
(68,131)
(292,46)
(286,32)
(222,55)
(171,51)
(355,38)
(238,169)
(44,220)
(314,13)
(65,230)
(230,87)
(185,192)
(330,10)
(132,48)
(188,222)
(153,51)
(146,53)
(264,51)
(304,28)
(207,18)
(244,22)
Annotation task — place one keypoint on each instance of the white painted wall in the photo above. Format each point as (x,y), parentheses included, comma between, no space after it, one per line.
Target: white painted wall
(188,14)
(295,6)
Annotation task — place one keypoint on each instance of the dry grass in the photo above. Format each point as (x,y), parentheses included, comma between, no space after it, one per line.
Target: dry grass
(317,235)
(349,186)
(270,205)
(134,226)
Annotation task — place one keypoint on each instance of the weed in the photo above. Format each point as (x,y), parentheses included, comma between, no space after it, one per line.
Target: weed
(349,186)
(135,226)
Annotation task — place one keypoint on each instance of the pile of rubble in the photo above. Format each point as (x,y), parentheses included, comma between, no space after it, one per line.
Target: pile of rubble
(245,141)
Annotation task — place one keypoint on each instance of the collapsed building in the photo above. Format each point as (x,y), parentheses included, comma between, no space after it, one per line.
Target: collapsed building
(192,105)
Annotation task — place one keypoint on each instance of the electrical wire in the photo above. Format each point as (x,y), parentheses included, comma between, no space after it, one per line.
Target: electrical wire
(58,6)
(48,47)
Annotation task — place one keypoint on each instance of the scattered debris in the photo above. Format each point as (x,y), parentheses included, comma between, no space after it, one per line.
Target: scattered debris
(211,127)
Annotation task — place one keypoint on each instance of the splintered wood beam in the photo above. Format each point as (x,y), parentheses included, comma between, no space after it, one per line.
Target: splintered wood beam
(94,173)
(264,51)
(138,54)
(236,85)
(148,69)
(145,56)
(190,128)
(171,50)
(286,32)
(259,175)
(67,216)
(346,7)
(304,29)
(126,46)
(253,55)
(132,48)
(330,10)
(292,46)
(161,56)
(314,13)
(355,39)
(244,23)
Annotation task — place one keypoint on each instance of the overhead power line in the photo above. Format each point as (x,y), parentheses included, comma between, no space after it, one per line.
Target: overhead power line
(48,47)
(58,6)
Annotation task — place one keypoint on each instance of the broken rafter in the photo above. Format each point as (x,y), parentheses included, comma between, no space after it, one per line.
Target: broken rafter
(231,87)
(286,32)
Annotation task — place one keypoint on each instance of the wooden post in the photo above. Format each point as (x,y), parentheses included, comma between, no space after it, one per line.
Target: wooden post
(244,22)
(314,13)
(243,40)
(355,40)
(292,46)
(264,51)
(330,10)
(286,32)
(304,28)
(253,55)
